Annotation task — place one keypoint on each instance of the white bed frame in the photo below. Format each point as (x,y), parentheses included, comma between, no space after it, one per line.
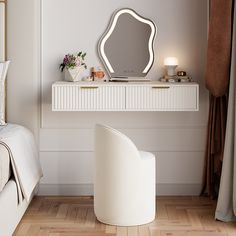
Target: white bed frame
(10,211)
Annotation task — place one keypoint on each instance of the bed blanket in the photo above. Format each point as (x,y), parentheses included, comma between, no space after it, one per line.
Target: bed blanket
(23,152)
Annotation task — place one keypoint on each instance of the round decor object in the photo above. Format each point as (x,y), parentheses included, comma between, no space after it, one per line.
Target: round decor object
(181,73)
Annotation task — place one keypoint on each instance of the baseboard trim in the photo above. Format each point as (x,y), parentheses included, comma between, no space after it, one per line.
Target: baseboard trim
(178,189)
(87,189)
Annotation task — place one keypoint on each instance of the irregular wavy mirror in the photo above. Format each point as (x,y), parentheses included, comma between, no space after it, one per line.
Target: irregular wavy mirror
(126,48)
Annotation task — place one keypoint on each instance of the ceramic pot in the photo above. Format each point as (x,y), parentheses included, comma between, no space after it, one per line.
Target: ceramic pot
(73,75)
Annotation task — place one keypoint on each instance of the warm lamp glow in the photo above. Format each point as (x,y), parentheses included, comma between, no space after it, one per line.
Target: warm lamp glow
(171,63)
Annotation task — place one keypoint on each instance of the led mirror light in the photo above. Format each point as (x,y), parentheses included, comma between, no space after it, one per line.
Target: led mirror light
(120,35)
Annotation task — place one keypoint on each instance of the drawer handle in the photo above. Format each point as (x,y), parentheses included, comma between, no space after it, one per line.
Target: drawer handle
(160,87)
(89,87)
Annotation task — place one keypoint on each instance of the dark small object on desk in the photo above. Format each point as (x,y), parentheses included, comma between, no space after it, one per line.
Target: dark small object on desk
(181,73)
(93,73)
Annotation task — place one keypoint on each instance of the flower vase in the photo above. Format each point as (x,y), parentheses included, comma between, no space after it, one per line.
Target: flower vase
(73,75)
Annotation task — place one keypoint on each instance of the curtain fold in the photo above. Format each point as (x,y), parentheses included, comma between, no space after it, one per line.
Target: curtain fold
(226,205)
(215,145)
(217,80)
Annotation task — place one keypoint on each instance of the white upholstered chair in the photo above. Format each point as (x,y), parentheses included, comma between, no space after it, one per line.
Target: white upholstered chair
(124,187)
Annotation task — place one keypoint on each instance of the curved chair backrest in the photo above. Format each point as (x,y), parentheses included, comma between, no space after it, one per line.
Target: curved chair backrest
(124,183)
(117,169)
(109,141)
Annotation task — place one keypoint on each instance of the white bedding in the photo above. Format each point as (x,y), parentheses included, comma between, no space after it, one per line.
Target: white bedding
(21,146)
(4,167)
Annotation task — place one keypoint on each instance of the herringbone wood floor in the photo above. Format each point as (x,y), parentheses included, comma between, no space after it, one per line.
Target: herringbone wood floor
(72,216)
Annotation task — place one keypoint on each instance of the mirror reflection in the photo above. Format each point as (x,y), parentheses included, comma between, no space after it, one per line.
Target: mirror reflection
(126,48)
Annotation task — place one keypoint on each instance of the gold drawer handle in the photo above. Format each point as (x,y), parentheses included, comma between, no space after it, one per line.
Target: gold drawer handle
(89,87)
(161,87)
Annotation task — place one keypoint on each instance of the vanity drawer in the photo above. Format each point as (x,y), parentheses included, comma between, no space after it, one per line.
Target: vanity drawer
(88,98)
(162,98)
(102,98)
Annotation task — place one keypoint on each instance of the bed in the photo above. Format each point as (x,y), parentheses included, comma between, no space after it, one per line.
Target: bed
(20,169)
(20,173)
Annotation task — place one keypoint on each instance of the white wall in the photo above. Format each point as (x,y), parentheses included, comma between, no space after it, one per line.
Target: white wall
(23,51)
(66,138)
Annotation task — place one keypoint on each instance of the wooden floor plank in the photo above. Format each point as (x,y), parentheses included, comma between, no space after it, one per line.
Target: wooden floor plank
(73,216)
(81,215)
(133,231)
(33,231)
(22,229)
(154,232)
(43,232)
(62,211)
(90,218)
(110,229)
(173,233)
(122,231)
(143,230)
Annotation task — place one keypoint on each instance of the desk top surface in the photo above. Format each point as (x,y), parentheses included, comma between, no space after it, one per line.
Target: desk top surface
(136,83)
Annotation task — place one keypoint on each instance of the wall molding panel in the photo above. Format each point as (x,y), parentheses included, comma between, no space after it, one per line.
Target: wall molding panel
(78,167)
(65,139)
(168,139)
(176,138)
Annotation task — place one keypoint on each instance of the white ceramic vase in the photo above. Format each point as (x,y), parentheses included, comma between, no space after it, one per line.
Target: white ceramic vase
(73,75)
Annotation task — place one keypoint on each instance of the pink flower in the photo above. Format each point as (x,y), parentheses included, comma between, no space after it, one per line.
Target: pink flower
(78,62)
(73,60)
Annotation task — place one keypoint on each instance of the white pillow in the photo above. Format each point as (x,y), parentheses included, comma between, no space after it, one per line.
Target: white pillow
(3,74)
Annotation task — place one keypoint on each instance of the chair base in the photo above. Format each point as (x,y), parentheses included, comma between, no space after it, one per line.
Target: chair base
(126,224)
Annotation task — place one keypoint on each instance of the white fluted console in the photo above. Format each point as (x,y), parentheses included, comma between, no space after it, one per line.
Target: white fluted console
(125,96)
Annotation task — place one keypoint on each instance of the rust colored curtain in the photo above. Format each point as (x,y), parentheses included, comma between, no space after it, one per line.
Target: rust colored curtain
(215,145)
(217,81)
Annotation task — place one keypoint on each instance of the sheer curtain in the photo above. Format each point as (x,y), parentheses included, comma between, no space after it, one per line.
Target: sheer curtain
(226,205)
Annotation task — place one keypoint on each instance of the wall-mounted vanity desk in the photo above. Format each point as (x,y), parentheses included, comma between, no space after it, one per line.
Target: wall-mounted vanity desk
(125,96)
(126,50)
